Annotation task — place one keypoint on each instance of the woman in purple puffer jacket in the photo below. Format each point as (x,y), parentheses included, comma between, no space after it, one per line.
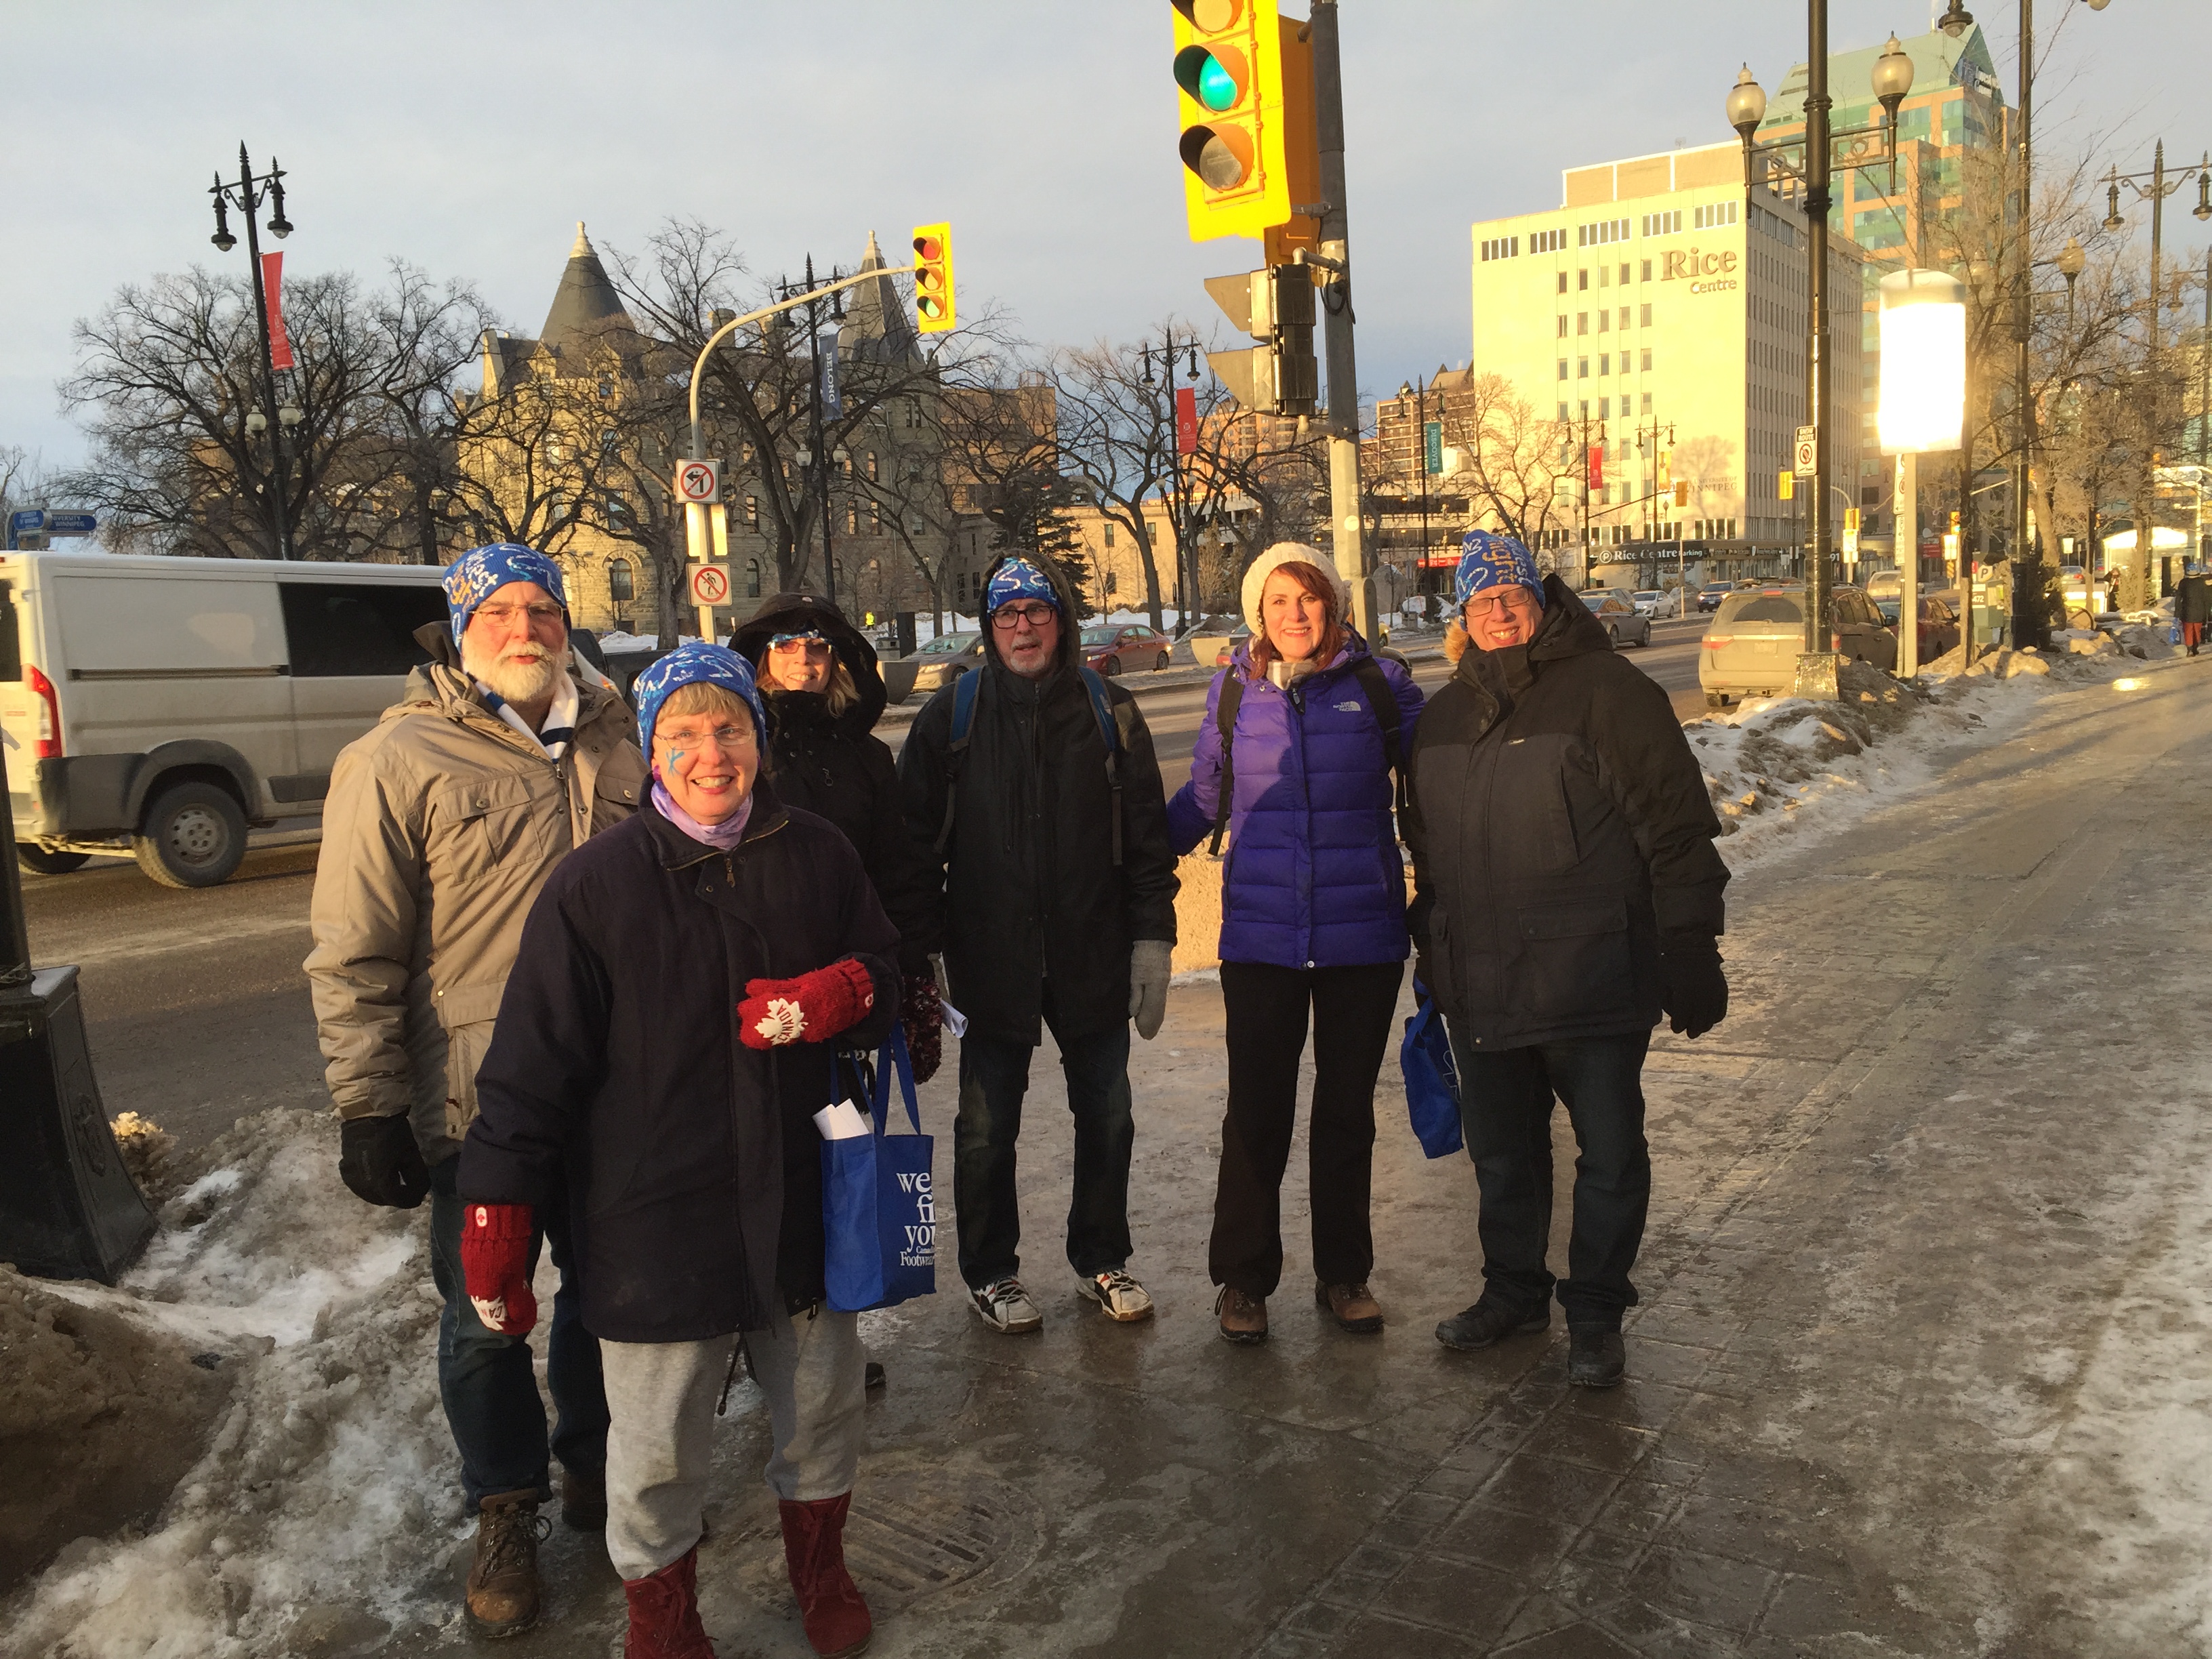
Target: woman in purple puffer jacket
(1313,912)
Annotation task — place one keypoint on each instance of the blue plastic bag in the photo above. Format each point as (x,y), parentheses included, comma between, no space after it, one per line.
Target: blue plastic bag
(878,1215)
(1432,1081)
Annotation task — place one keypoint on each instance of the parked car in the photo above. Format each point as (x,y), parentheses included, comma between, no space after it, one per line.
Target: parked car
(1648,600)
(1759,632)
(1939,627)
(934,667)
(1227,654)
(1615,607)
(162,707)
(1115,647)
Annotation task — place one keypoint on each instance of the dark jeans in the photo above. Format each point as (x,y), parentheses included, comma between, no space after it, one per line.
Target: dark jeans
(485,1378)
(1506,1110)
(993,1077)
(1267,1016)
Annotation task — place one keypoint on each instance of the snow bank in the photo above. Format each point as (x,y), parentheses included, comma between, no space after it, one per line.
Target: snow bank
(331,1477)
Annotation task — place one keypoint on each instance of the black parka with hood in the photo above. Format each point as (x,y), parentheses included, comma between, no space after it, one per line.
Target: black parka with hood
(1031,891)
(834,766)
(1562,838)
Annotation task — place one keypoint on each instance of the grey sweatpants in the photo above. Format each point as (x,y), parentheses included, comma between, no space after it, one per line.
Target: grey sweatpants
(661,1397)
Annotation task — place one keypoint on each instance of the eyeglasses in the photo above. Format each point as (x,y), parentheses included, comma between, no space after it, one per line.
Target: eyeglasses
(500,615)
(1008,617)
(729,739)
(809,643)
(1515,597)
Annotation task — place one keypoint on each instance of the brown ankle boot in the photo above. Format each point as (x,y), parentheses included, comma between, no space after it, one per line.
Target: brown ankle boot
(1244,1318)
(502,1599)
(664,1613)
(837,1621)
(1352,1306)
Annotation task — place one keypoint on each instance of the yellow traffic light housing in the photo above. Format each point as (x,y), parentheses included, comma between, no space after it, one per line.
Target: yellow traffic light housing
(1785,485)
(1681,492)
(1246,107)
(934,311)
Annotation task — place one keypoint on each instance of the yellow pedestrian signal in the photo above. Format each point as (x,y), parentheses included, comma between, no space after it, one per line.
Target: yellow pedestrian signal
(1785,485)
(1249,152)
(932,279)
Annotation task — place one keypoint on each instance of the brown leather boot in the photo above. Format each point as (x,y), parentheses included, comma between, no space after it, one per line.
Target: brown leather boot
(502,1598)
(583,1501)
(1244,1318)
(1352,1306)
(664,1613)
(837,1620)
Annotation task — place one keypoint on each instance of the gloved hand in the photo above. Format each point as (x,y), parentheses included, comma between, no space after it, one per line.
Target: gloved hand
(1693,989)
(811,1008)
(1148,984)
(496,1266)
(381,1163)
(924,1020)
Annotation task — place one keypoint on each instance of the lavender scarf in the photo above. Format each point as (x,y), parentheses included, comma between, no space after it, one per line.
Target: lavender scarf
(720,836)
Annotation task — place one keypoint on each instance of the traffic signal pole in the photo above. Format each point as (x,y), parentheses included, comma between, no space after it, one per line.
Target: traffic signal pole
(1347,534)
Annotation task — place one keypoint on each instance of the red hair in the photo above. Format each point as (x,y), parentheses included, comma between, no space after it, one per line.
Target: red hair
(1316,581)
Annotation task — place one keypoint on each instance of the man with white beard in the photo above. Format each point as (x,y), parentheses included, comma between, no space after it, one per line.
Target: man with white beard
(439,828)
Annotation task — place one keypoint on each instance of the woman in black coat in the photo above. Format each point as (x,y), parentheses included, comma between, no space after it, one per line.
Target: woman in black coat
(664,1041)
(825,694)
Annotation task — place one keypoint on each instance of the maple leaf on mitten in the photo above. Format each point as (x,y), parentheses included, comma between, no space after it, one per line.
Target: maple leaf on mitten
(811,1008)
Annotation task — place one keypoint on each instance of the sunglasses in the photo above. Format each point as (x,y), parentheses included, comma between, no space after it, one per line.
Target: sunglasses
(785,641)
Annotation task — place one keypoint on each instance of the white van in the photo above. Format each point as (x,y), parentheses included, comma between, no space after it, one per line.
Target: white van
(166,704)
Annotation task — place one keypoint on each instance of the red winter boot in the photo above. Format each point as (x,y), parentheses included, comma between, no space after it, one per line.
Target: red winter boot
(836,1618)
(664,1614)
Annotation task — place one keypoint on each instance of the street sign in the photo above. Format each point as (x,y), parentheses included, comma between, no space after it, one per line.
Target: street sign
(1432,447)
(1851,546)
(1808,452)
(71,523)
(710,584)
(30,521)
(698,482)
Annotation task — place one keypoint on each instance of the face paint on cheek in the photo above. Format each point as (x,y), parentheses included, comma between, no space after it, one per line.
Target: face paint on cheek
(675,757)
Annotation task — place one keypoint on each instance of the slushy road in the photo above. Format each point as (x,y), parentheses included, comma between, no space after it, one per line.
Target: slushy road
(197,1010)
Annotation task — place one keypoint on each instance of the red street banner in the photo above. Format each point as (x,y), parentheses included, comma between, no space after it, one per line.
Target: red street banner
(1597,466)
(1186,421)
(272,283)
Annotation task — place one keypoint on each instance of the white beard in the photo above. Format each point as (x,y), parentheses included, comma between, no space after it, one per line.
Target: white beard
(516,678)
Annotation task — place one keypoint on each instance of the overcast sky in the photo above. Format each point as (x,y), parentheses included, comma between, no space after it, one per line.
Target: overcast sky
(469,135)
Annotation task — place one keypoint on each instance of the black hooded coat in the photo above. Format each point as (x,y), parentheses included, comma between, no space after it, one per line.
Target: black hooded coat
(1562,838)
(834,766)
(1031,891)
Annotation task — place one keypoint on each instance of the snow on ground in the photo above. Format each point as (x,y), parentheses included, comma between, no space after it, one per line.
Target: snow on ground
(330,1479)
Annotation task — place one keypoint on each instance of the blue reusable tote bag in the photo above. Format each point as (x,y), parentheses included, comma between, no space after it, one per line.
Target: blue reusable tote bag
(878,1216)
(1431,1080)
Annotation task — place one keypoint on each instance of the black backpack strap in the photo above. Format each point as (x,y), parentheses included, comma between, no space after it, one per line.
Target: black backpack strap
(1225,720)
(965,689)
(1109,733)
(1383,703)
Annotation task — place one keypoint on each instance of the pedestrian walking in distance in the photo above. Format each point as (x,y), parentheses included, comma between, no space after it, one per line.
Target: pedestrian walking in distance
(620,1083)
(440,827)
(2192,606)
(1033,783)
(1567,893)
(824,693)
(1295,761)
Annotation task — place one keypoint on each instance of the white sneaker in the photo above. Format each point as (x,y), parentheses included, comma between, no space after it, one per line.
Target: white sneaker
(1118,1296)
(1004,1305)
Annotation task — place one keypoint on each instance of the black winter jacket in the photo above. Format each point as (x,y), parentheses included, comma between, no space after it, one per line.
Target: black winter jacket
(2192,599)
(692,1171)
(1031,891)
(1561,835)
(835,768)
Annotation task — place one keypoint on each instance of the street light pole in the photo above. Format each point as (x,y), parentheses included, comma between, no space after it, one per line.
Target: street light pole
(2031,616)
(248,193)
(1346,531)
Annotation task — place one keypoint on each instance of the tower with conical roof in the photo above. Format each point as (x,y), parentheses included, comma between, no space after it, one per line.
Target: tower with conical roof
(586,303)
(876,328)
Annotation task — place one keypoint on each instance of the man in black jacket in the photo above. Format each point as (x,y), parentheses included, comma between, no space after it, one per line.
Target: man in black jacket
(1567,892)
(1060,891)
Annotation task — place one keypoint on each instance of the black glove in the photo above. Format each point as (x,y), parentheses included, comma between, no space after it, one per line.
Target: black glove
(381,1163)
(1694,990)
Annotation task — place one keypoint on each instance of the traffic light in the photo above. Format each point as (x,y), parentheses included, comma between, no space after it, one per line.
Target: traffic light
(1274,305)
(932,279)
(1681,492)
(1249,146)
(1785,485)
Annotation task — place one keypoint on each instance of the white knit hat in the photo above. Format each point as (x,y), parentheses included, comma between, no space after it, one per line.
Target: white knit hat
(1274,559)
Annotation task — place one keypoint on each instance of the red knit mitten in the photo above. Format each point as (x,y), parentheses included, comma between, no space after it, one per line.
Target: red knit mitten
(811,1008)
(923,1017)
(496,1266)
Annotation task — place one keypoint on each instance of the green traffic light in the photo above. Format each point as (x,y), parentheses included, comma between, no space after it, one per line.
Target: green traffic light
(1208,78)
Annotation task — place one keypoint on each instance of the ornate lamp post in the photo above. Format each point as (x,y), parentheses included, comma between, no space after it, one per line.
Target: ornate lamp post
(246,193)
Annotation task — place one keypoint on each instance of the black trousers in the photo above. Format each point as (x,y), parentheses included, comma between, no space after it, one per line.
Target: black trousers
(1505,1111)
(1266,1009)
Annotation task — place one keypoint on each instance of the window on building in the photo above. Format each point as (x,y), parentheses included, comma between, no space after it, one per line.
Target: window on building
(1714,215)
(1581,322)
(752,578)
(1582,368)
(1582,278)
(852,519)
(620,587)
(1563,281)
(1605,409)
(752,512)
(1645,318)
(1604,320)
(1109,533)
(1563,408)
(1585,408)
(609,440)
(871,466)
(1647,359)
(875,518)
(1647,404)
(1646,276)
(1563,368)
(1624,273)
(618,509)
(606,386)
(1563,325)
(1604,363)
(1624,316)
(1604,275)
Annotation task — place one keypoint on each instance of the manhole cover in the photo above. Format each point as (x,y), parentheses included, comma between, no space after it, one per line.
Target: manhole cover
(908,1536)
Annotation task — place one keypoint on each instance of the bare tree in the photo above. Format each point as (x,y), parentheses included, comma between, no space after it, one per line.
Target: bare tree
(1512,459)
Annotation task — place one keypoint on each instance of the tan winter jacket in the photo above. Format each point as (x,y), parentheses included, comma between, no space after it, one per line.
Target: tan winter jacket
(441,826)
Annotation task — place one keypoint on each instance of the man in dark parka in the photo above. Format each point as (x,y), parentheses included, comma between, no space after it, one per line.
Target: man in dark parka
(1567,893)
